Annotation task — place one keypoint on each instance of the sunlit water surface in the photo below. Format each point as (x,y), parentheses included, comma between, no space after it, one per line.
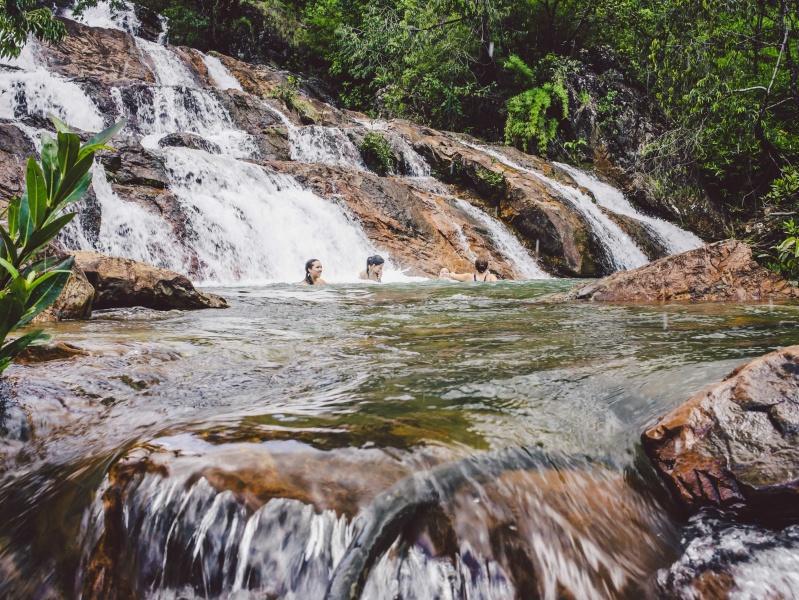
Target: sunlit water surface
(275,423)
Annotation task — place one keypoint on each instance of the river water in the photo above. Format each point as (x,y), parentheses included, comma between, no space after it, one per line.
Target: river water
(237,453)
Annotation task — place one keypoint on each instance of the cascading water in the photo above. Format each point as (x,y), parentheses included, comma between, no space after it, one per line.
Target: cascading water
(167,67)
(622,250)
(219,75)
(28,89)
(253,225)
(674,238)
(121,16)
(505,241)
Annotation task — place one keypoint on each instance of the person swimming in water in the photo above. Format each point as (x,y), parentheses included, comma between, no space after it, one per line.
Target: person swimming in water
(374,269)
(313,273)
(481,273)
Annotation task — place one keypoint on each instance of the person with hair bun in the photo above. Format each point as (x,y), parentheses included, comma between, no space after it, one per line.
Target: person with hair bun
(481,273)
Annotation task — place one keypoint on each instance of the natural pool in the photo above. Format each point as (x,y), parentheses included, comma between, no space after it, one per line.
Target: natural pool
(230,452)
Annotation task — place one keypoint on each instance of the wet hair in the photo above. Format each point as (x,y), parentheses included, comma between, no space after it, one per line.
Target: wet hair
(308,265)
(481,264)
(373,261)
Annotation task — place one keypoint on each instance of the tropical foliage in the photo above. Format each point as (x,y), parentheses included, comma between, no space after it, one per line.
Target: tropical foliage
(29,283)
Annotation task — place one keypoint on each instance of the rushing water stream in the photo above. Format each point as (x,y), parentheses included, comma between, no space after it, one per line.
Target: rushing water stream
(273,426)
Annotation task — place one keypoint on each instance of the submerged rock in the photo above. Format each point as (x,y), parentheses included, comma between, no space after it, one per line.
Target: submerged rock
(48,352)
(720,272)
(121,282)
(735,445)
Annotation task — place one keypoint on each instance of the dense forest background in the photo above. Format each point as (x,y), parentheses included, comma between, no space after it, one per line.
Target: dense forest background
(721,76)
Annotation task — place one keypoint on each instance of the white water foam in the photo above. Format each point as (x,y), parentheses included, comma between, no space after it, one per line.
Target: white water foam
(622,250)
(220,76)
(257,226)
(163,110)
(29,89)
(103,15)
(325,145)
(505,241)
(673,237)
(168,67)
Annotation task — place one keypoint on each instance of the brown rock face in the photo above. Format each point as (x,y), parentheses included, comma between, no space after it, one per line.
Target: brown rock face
(106,55)
(75,301)
(15,147)
(121,282)
(48,352)
(422,231)
(735,445)
(527,204)
(720,272)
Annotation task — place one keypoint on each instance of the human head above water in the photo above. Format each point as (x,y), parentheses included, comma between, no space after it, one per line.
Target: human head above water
(374,266)
(481,264)
(313,270)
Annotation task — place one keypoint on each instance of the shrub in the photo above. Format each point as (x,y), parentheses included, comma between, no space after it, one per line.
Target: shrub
(28,283)
(788,250)
(377,154)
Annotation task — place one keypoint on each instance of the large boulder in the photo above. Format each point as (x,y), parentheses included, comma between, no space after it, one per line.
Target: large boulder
(735,445)
(108,56)
(720,272)
(121,282)
(189,140)
(75,302)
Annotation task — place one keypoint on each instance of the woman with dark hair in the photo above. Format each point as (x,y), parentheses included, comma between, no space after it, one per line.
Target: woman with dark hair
(374,269)
(313,273)
(481,272)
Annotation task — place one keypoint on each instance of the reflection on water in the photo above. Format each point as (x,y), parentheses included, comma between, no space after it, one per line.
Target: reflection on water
(197,453)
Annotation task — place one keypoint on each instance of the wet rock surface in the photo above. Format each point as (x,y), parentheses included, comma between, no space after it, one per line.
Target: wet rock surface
(121,282)
(108,56)
(420,229)
(527,204)
(189,140)
(49,352)
(15,147)
(722,559)
(75,302)
(735,445)
(720,272)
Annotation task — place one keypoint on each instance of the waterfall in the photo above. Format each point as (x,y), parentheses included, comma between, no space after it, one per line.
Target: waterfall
(622,250)
(157,111)
(674,238)
(28,89)
(220,76)
(325,145)
(254,225)
(505,241)
(168,68)
(122,16)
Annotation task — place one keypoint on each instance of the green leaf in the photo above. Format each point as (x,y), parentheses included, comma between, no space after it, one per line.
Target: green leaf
(80,190)
(36,192)
(99,140)
(72,178)
(60,126)
(25,223)
(13,218)
(44,291)
(52,173)
(42,236)
(9,267)
(9,248)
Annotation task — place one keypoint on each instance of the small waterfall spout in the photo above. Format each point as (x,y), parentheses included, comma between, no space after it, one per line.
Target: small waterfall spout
(621,249)
(675,240)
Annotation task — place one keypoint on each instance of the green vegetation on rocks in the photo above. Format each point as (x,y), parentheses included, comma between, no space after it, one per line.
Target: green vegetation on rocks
(29,283)
(377,154)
